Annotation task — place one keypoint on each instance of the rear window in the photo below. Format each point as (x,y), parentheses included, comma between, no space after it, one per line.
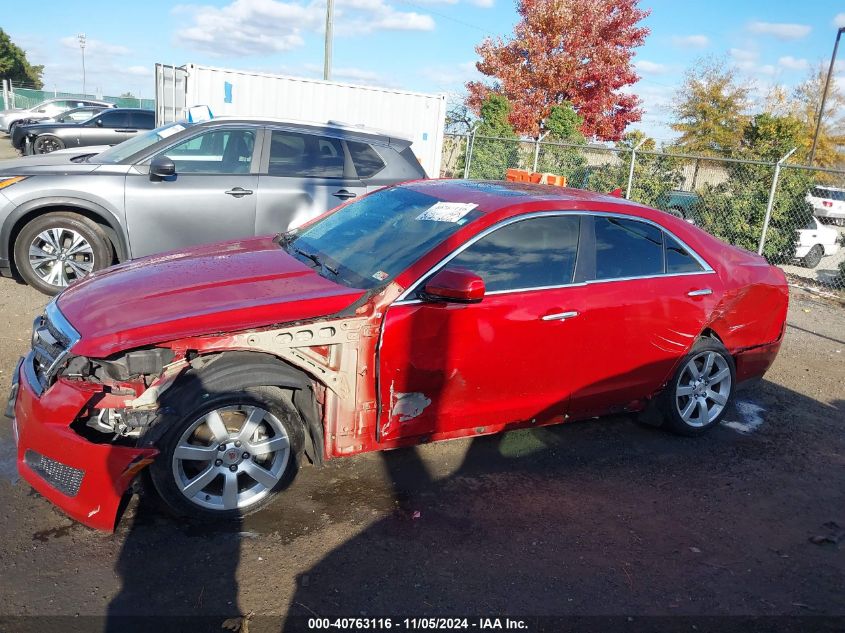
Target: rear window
(828,194)
(627,248)
(299,155)
(367,161)
(678,259)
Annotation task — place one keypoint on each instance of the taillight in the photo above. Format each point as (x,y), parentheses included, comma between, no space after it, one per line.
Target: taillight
(827,203)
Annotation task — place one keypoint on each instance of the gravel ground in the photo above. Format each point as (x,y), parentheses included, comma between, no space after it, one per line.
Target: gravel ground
(598,518)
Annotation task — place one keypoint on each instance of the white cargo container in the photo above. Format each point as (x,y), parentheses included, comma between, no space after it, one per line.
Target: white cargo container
(413,115)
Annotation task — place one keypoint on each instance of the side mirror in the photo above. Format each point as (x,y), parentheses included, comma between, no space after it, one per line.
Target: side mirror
(162,167)
(454,285)
(99,122)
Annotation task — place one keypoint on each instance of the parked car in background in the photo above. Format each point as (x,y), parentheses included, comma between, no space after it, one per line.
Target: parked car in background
(681,204)
(428,311)
(44,110)
(27,127)
(828,203)
(815,240)
(109,127)
(63,216)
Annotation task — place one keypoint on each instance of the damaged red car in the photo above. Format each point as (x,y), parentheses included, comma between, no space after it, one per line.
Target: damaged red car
(422,312)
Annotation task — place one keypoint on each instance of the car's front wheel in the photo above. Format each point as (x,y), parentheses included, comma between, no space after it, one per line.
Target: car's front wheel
(46,143)
(57,249)
(229,454)
(814,257)
(701,389)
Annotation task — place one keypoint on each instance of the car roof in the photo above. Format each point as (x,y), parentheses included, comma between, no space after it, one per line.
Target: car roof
(495,195)
(347,129)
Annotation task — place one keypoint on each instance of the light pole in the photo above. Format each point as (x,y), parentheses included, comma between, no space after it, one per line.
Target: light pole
(327,60)
(824,95)
(81,37)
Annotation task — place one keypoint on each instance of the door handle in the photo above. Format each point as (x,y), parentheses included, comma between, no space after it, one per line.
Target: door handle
(700,293)
(239,192)
(343,194)
(560,316)
(126,130)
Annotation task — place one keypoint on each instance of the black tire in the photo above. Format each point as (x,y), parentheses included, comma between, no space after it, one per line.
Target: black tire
(672,400)
(12,126)
(194,403)
(814,257)
(99,257)
(46,143)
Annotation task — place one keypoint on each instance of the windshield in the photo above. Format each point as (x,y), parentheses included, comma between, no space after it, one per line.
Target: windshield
(124,150)
(367,243)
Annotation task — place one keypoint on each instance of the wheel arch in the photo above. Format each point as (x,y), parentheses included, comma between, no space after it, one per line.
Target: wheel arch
(27,212)
(235,370)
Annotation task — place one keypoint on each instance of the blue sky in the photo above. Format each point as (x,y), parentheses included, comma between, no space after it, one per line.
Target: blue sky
(424,45)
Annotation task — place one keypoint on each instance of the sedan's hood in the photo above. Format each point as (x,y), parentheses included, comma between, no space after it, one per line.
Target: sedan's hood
(11,111)
(211,289)
(54,162)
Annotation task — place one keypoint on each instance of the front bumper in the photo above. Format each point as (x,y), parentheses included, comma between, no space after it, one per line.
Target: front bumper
(85,480)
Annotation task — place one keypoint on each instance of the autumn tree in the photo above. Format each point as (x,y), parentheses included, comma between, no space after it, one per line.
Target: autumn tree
(805,107)
(576,51)
(15,66)
(710,109)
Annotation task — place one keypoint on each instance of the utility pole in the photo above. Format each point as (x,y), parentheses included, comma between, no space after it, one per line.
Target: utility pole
(81,37)
(327,60)
(824,95)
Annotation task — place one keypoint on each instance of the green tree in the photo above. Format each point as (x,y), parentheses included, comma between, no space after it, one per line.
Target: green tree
(15,66)
(557,154)
(654,173)
(493,151)
(735,209)
(709,109)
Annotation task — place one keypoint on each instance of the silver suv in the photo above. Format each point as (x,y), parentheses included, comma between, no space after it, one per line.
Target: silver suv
(66,214)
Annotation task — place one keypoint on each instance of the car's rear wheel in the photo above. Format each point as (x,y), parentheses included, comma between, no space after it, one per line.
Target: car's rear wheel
(228,455)
(701,389)
(46,143)
(57,249)
(813,257)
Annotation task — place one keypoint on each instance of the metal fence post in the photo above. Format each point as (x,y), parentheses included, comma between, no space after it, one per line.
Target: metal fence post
(631,170)
(771,203)
(537,149)
(468,160)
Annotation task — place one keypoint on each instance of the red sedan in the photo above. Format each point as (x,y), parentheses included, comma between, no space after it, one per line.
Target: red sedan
(427,311)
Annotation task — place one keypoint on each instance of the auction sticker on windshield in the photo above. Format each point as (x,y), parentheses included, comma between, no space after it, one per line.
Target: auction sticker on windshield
(446,211)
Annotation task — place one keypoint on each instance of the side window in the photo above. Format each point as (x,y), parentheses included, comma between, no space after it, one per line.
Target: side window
(142,120)
(678,260)
(527,254)
(300,155)
(215,152)
(367,161)
(627,248)
(115,119)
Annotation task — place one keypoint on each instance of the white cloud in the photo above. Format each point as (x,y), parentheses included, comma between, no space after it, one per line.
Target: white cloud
(742,55)
(780,30)
(260,27)
(484,4)
(94,47)
(139,71)
(839,20)
(691,41)
(651,68)
(792,63)
(450,76)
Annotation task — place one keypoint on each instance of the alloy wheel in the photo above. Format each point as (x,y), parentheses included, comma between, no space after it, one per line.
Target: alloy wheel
(703,388)
(46,145)
(60,256)
(231,457)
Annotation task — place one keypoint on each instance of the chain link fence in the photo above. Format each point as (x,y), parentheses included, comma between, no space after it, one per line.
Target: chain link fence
(28,97)
(791,214)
